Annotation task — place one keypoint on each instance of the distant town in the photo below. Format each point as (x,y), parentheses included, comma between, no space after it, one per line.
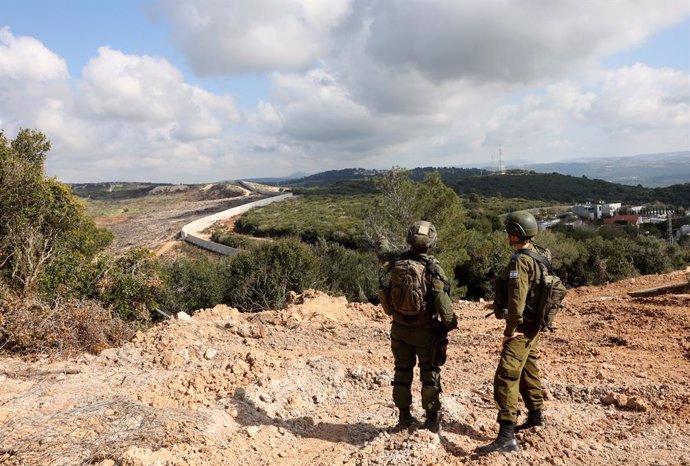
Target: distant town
(615,214)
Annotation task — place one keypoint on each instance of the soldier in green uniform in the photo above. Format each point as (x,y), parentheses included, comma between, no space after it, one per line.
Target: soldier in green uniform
(517,373)
(412,336)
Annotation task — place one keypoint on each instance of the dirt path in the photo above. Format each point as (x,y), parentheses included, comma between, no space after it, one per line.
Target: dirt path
(310,385)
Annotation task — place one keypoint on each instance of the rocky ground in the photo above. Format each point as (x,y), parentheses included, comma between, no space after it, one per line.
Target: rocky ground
(310,385)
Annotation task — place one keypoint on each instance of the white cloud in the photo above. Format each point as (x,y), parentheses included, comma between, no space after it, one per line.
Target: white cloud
(316,107)
(150,90)
(129,117)
(220,37)
(27,58)
(641,97)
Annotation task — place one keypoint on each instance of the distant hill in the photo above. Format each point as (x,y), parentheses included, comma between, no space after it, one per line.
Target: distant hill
(568,189)
(279,180)
(514,184)
(114,190)
(330,177)
(651,170)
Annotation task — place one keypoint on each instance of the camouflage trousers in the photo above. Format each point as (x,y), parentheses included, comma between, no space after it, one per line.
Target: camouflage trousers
(518,375)
(409,345)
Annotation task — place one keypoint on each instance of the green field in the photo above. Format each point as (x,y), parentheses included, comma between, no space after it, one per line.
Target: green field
(310,218)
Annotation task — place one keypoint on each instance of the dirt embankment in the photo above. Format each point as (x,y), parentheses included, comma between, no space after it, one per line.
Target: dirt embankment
(310,384)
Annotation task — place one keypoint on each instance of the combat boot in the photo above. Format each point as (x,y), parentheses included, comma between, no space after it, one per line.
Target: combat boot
(504,443)
(405,420)
(432,422)
(534,419)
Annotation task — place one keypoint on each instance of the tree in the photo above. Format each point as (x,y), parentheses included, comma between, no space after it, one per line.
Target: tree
(403,202)
(39,216)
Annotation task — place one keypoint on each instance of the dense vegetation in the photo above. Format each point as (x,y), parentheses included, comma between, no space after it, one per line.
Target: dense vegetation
(569,189)
(313,218)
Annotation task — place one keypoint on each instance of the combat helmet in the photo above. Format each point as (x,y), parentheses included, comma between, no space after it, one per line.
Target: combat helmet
(422,234)
(522,224)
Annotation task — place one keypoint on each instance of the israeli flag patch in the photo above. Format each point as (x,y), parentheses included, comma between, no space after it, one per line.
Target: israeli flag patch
(513,274)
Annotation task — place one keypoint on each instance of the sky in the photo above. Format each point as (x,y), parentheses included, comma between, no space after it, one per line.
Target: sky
(194,91)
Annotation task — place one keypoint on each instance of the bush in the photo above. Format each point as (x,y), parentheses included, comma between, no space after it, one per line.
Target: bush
(261,277)
(488,256)
(347,272)
(232,239)
(47,241)
(310,218)
(192,284)
(130,284)
(67,327)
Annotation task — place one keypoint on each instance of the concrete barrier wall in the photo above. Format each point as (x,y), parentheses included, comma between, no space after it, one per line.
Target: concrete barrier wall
(191,231)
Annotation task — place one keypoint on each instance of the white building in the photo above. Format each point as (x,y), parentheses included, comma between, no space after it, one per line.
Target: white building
(597,211)
(611,209)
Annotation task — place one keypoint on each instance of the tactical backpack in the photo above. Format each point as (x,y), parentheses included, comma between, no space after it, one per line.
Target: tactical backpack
(406,292)
(551,289)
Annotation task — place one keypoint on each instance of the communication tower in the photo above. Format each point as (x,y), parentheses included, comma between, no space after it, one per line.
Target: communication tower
(501,166)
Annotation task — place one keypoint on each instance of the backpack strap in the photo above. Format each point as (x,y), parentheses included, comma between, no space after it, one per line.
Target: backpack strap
(537,257)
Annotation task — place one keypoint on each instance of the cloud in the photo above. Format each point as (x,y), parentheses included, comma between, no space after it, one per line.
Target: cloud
(316,107)
(507,41)
(221,37)
(128,117)
(354,83)
(642,98)
(33,81)
(27,58)
(149,90)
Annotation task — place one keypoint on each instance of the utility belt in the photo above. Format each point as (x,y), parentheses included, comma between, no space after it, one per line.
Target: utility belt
(419,321)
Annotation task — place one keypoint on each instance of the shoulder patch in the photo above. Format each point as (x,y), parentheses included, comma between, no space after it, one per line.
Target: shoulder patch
(513,274)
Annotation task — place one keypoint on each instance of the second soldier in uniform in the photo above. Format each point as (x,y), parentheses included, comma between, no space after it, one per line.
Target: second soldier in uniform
(517,373)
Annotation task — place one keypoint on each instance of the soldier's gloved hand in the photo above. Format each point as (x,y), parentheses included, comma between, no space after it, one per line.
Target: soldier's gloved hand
(500,313)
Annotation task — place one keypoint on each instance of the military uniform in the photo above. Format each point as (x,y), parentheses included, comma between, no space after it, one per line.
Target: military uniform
(517,296)
(412,336)
(411,341)
(517,371)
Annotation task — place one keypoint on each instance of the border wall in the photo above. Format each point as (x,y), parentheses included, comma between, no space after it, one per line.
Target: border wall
(191,231)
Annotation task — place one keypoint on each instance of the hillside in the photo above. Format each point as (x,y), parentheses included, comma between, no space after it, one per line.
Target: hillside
(514,184)
(310,385)
(651,170)
(568,189)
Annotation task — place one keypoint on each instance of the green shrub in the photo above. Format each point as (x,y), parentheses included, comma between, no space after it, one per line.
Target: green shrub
(348,272)
(130,284)
(310,218)
(488,254)
(232,239)
(44,230)
(192,284)
(261,277)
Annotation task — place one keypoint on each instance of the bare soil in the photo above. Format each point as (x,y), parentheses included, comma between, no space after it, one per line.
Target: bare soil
(155,226)
(310,385)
